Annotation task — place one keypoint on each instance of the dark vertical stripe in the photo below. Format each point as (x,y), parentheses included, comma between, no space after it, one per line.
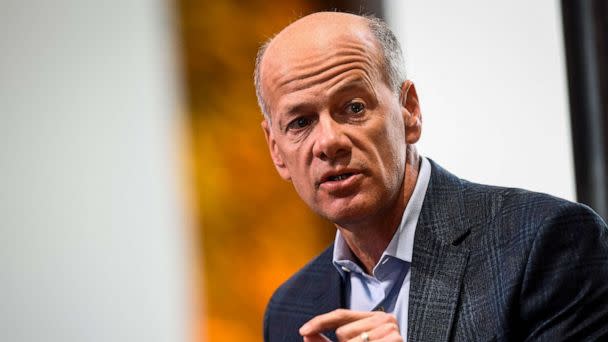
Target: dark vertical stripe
(585,25)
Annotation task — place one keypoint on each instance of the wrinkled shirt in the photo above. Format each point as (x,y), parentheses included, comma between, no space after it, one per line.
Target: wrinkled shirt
(366,292)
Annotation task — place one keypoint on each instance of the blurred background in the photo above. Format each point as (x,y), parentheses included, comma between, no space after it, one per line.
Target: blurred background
(137,198)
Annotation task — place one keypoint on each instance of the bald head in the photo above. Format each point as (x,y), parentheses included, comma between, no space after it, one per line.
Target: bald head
(319,33)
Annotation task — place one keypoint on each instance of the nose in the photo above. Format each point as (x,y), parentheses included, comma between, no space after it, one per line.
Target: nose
(330,142)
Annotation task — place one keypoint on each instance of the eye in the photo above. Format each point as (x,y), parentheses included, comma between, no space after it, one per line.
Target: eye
(355,107)
(299,123)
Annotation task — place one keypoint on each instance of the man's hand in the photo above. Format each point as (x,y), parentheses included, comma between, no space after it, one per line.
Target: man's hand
(351,325)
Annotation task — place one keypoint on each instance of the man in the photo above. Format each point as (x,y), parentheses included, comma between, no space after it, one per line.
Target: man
(419,255)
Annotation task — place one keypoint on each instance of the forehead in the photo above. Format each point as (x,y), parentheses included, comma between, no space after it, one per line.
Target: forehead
(303,56)
(298,69)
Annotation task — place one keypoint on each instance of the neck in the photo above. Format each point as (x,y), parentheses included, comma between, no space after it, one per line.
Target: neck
(368,240)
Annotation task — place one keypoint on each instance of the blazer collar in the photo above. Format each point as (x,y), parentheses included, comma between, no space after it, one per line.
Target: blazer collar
(450,210)
(328,291)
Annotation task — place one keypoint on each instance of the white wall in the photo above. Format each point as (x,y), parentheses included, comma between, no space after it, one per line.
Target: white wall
(491,80)
(92,244)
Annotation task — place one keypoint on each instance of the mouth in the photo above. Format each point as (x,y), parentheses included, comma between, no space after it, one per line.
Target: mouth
(334,178)
(340,183)
(338,177)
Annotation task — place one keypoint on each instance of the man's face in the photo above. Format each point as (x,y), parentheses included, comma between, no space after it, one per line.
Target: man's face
(337,130)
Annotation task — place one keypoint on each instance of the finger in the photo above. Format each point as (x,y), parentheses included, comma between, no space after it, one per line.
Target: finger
(380,323)
(332,320)
(383,332)
(316,338)
(392,337)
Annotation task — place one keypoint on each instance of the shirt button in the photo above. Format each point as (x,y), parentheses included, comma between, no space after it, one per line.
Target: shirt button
(380,308)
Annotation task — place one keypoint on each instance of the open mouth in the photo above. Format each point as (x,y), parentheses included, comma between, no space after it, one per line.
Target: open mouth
(338,177)
(339,182)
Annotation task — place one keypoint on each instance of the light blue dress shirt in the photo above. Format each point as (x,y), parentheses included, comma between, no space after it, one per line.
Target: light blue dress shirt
(389,284)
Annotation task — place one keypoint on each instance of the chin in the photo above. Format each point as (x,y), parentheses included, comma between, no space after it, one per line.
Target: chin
(344,214)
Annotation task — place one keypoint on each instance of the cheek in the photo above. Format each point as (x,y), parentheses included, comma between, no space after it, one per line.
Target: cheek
(392,136)
(297,162)
(397,131)
(299,159)
(392,150)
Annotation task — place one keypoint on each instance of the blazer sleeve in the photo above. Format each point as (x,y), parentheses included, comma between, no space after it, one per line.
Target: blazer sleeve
(564,294)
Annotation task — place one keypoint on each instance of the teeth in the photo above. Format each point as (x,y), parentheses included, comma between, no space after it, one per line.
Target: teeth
(339,177)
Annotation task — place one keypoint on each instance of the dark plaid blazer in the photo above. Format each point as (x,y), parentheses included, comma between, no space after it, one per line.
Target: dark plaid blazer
(489,263)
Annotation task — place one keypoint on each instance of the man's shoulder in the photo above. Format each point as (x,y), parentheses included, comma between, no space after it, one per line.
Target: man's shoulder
(489,207)
(523,216)
(525,205)
(487,202)
(543,253)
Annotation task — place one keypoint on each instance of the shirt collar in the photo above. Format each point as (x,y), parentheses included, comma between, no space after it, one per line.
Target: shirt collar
(402,243)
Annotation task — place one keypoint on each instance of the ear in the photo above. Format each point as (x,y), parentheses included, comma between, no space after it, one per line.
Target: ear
(274,151)
(410,108)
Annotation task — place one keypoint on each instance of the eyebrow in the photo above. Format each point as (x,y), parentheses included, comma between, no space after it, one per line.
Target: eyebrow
(297,108)
(358,83)
(351,83)
(292,111)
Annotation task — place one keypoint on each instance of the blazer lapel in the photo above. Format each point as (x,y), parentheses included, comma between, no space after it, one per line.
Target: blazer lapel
(439,259)
(329,291)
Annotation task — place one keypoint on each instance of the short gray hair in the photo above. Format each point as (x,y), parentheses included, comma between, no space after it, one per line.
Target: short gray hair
(257,79)
(393,63)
